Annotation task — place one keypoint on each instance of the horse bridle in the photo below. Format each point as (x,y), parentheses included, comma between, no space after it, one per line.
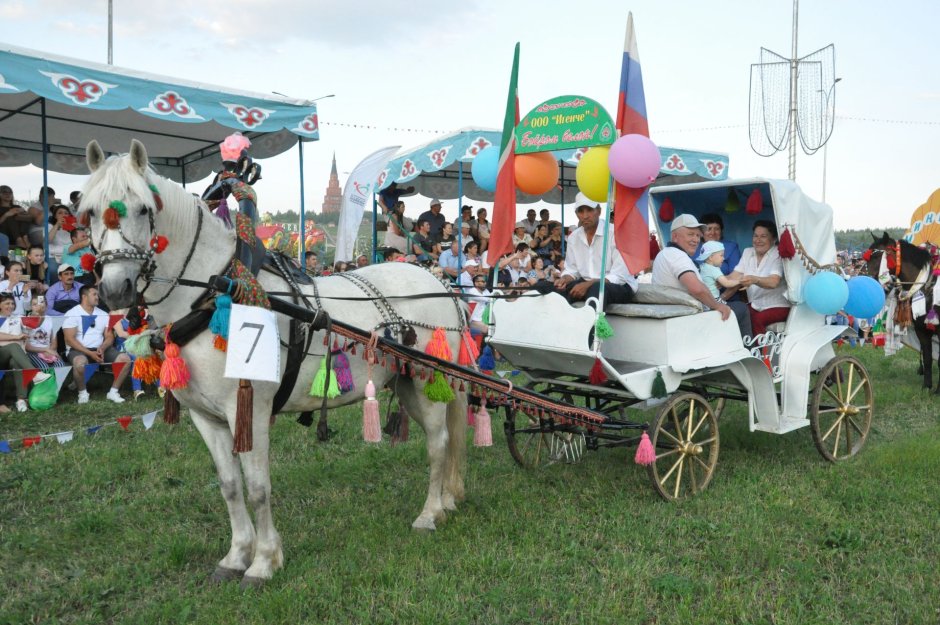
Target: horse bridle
(138,254)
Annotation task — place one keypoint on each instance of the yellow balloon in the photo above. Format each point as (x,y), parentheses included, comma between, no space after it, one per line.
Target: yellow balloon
(593,173)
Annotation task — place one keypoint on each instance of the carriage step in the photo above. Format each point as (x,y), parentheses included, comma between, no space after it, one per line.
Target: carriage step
(782,426)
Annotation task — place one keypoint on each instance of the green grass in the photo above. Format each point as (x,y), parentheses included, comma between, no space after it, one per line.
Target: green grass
(124,527)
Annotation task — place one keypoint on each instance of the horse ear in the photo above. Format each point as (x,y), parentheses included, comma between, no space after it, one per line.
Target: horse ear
(94,156)
(885,237)
(873,237)
(139,156)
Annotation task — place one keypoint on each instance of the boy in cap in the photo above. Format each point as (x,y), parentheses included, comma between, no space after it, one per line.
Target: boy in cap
(711,257)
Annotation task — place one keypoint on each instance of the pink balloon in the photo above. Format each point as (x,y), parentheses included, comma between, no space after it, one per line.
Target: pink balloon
(634,161)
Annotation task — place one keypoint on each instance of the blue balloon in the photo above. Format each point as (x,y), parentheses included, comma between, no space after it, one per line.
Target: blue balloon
(866,297)
(485,168)
(826,293)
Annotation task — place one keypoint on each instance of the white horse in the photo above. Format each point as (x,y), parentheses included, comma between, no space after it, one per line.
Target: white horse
(255,551)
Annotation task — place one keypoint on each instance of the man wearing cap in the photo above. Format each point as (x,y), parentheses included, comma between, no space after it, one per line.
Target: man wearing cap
(434,217)
(673,266)
(584,252)
(520,234)
(64,292)
(471,269)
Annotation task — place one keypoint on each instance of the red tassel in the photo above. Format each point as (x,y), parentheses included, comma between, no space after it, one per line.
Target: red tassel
(755,203)
(371,427)
(597,375)
(645,453)
(174,373)
(482,430)
(438,345)
(220,343)
(785,247)
(111,218)
(87,261)
(244,408)
(469,352)
(666,211)
(171,409)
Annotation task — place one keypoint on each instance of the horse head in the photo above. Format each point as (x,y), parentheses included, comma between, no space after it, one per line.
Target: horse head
(119,203)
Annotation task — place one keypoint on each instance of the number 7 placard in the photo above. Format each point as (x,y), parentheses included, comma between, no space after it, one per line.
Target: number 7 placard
(254,348)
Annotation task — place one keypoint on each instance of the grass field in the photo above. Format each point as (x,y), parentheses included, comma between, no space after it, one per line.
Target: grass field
(124,527)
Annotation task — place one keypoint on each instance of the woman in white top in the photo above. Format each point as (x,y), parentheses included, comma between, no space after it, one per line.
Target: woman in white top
(480,296)
(17,287)
(59,237)
(760,271)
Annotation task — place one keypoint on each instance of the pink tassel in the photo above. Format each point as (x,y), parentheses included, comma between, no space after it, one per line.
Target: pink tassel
(482,432)
(438,345)
(470,420)
(645,453)
(371,427)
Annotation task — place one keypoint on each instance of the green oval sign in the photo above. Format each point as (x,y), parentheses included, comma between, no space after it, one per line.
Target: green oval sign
(564,123)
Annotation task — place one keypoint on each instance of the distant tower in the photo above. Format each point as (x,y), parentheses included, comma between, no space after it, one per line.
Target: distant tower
(333,200)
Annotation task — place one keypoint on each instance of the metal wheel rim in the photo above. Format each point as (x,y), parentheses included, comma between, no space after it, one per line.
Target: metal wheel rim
(533,448)
(685,436)
(842,409)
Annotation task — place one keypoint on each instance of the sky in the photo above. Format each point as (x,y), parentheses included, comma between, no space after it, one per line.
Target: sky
(432,66)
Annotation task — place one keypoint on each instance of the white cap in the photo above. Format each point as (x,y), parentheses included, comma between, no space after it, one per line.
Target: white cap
(435,202)
(583,200)
(471,263)
(710,248)
(685,220)
(520,224)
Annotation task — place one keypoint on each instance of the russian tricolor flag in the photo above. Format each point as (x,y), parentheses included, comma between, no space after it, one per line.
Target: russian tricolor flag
(631,217)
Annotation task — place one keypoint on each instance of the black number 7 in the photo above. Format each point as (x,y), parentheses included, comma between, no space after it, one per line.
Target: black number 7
(260,329)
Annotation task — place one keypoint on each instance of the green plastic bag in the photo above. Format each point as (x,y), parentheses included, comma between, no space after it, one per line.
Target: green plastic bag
(44,395)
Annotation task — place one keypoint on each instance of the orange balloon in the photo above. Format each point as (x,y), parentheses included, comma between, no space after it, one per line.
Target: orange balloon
(536,173)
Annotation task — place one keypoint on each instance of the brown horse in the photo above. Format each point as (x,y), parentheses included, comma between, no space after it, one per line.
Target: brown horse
(915,265)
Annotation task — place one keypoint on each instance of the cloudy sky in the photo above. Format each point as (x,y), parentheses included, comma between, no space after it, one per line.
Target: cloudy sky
(433,66)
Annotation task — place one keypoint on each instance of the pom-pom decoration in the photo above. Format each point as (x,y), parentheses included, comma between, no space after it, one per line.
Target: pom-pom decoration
(111,218)
(119,207)
(88,261)
(173,373)
(233,145)
(159,243)
(69,223)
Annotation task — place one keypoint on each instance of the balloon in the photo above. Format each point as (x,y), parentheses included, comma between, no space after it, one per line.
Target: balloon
(536,173)
(485,167)
(826,293)
(634,161)
(866,297)
(593,173)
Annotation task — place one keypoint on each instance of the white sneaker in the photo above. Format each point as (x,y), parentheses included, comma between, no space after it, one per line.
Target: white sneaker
(21,405)
(83,397)
(115,397)
(42,376)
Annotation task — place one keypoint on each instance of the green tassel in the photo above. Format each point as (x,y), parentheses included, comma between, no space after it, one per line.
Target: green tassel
(324,383)
(733,203)
(485,318)
(154,188)
(439,389)
(120,207)
(659,385)
(602,329)
(138,345)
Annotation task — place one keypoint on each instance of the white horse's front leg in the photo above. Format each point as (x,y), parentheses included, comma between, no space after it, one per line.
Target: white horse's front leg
(432,417)
(268,556)
(218,437)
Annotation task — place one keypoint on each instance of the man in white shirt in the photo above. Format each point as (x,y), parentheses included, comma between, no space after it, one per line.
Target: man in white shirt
(673,266)
(583,255)
(89,338)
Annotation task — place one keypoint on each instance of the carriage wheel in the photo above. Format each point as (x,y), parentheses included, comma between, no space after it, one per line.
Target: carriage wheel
(534,448)
(685,436)
(842,408)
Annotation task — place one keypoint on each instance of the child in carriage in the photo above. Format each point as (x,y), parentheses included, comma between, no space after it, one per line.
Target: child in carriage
(711,257)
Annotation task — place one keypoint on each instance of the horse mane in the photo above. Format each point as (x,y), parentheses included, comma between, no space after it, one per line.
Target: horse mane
(917,256)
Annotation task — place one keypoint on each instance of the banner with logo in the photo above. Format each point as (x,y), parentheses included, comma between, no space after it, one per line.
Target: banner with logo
(358,191)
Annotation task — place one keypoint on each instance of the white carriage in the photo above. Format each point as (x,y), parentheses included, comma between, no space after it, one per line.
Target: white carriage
(666,342)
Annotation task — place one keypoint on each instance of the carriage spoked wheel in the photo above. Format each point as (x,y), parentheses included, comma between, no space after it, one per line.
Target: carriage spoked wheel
(843,402)
(534,447)
(685,436)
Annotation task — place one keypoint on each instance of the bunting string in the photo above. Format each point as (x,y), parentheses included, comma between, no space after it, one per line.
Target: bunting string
(17,444)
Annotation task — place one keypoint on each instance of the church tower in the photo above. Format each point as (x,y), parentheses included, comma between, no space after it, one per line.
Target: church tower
(333,200)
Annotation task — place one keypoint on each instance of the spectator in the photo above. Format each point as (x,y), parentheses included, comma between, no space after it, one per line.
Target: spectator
(41,345)
(63,296)
(537,272)
(434,218)
(14,219)
(17,287)
(399,228)
(760,271)
(478,297)
(520,263)
(340,266)
(530,223)
(451,260)
(466,217)
(711,255)
(421,245)
(471,270)
(554,243)
(121,332)
(465,235)
(12,351)
(60,221)
(362,261)
(714,231)
(74,198)
(471,251)
(393,255)
(312,264)
(483,230)
(544,219)
(81,245)
(446,236)
(391,195)
(37,269)
(38,215)
(520,235)
(89,339)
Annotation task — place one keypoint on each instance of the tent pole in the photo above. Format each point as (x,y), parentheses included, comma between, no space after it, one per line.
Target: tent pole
(45,181)
(302,246)
(375,233)
(562,208)
(459,219)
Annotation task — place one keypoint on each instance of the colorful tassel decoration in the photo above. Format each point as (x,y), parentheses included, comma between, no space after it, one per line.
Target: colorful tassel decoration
(324,384)
(732,204)
(222,212)
(119,207)
(87,261)
(138,345)
(371,427)
(755,203)
(666,211)
(171,409)
(487,361)
(470,416)
(111,218)
(785,246)
(438,345)
(439,389)
(218,325)
(645,453)
(659,385)
(932,320)
(485,317)
(469,352)
(344,377)
(159,243)
(482,430)
(147,368)
(597,375)
(173,373)
(602,329)
(244,412)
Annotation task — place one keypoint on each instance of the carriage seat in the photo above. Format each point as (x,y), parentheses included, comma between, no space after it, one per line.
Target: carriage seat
(657,302)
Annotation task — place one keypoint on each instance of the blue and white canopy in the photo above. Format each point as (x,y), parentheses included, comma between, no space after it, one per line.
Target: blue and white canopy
(433,168)
(181,123)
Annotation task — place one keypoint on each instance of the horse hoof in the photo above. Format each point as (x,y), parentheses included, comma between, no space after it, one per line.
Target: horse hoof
(221,575)
(423,526)
(252,583)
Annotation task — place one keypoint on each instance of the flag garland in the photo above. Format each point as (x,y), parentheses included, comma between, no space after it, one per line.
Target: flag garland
(10,445)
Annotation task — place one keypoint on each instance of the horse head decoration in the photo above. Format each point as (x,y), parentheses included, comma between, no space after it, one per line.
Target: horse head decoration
(156,242)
